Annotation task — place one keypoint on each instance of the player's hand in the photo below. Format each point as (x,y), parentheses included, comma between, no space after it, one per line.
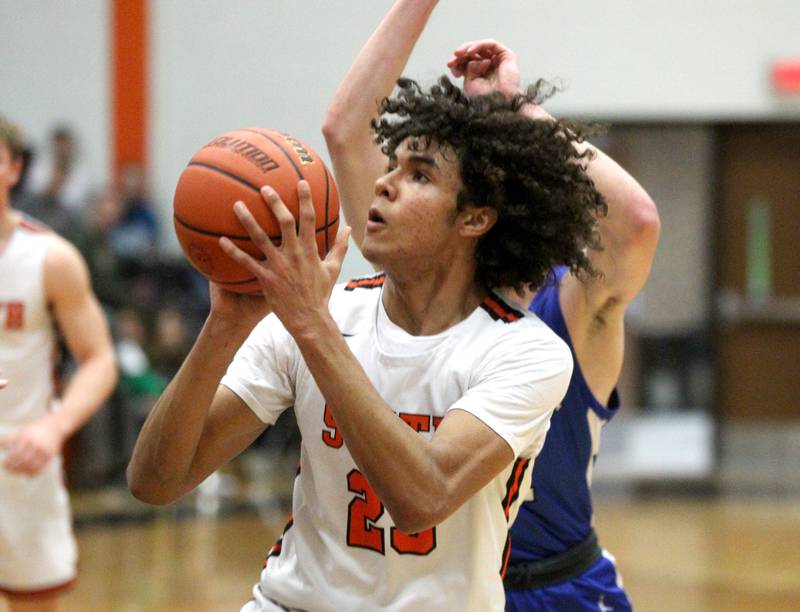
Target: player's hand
(32,448)
(244,310)
(295,282)
(487,66)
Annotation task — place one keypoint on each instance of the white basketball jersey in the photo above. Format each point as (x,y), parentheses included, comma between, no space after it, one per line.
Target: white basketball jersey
(341,550)
(26,328)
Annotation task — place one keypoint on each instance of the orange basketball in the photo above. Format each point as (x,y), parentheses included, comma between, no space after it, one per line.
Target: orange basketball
(234,166)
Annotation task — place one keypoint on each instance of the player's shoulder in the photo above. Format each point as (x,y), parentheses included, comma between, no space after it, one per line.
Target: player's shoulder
(357,291)
(64,267)
(30,226)
(354,300)
(523,332)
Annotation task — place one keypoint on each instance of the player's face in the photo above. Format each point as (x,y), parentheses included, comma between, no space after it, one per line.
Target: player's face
(414,211)
(9,172)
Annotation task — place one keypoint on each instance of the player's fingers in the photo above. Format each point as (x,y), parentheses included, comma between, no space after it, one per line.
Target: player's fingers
(456,66)
(478,68)
(335,256)
(285,218)
(240,257)
(462,48)
(308,216)
(257,234)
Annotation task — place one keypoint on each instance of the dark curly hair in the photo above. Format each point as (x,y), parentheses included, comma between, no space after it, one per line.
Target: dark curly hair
(528,170)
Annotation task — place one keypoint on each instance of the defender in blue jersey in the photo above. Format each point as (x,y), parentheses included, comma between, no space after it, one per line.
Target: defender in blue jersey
(554,562)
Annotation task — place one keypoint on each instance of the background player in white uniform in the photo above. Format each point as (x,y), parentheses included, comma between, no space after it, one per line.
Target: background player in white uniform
(43,282)
(401,517)
(586,311)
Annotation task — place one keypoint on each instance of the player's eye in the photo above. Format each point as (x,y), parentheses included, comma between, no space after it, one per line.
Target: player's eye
(420,177)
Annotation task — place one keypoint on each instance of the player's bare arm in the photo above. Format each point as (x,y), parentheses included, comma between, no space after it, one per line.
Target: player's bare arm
(198,425)
(593,306)
(81,321)
(464,454)
(357,160)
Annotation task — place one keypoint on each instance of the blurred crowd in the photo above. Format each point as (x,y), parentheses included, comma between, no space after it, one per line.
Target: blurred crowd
(155,303)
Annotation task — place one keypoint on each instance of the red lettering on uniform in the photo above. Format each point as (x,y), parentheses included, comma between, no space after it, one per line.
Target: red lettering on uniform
(331,436)
(436,421)
(364,511)
(15,315)
(417,422)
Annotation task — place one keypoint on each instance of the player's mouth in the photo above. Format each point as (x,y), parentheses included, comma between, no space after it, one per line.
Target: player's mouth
(375,220)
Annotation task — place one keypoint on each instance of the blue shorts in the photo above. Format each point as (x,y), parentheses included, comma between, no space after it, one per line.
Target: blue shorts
(598,589)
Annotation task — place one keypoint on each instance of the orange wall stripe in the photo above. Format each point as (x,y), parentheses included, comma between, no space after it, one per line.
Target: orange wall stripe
(129,82)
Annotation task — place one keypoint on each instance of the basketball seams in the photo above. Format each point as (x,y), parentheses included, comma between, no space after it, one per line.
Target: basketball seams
(227,173)
(327,202)
(246,183)
(205,232)
(277,144)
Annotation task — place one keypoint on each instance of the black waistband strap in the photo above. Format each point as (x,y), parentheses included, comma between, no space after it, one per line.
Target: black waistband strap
(554,570)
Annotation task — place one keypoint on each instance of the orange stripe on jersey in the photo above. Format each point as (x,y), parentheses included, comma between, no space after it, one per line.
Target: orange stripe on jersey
(498,309)
(366,282)
(512,486)
(506,556)
(33,226)
(278,546)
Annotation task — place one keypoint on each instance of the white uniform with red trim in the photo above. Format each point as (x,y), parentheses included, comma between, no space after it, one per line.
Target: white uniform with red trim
(37,546)
(340,550)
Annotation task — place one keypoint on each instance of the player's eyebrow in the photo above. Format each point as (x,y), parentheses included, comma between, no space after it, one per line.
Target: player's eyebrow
(425,160)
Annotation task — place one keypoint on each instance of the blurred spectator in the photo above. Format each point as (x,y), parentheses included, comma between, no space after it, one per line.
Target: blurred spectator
(172,341)
(42,206)
(96,244)
(58,174)
(137,377)
(137,233)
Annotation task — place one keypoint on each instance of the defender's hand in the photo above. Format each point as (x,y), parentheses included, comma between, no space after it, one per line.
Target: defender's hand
(487,66)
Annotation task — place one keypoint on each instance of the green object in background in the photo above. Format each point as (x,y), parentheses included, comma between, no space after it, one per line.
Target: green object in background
(758,269)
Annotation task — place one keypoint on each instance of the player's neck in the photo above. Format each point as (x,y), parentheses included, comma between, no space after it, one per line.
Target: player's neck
(8,221)
(424,307)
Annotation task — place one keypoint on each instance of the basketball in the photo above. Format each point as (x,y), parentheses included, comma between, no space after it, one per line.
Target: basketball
(234,166)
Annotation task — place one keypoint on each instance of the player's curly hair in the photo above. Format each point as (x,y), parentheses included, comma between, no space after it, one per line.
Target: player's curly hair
(528,170)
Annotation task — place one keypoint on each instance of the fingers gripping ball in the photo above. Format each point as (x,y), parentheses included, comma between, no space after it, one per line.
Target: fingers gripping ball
(234,166)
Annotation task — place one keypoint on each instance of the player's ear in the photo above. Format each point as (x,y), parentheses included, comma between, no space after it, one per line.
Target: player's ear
(475,221)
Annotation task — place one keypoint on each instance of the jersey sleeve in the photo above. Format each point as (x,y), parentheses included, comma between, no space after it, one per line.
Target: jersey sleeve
(262,371)
(518,384)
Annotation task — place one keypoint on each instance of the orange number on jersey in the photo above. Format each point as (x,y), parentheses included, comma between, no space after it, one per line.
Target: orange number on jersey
(15,315)
(421,543)
(331,437)
(365,510)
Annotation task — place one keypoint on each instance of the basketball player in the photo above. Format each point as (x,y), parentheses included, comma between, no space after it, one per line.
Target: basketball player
(556,563)
(43,282)
(421,396)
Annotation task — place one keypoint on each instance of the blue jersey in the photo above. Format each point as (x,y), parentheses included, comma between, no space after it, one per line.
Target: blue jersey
(558,512)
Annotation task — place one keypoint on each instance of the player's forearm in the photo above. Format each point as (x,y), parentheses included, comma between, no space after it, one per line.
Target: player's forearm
(161,466)
(86,391)
(385,449)
(374,72)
